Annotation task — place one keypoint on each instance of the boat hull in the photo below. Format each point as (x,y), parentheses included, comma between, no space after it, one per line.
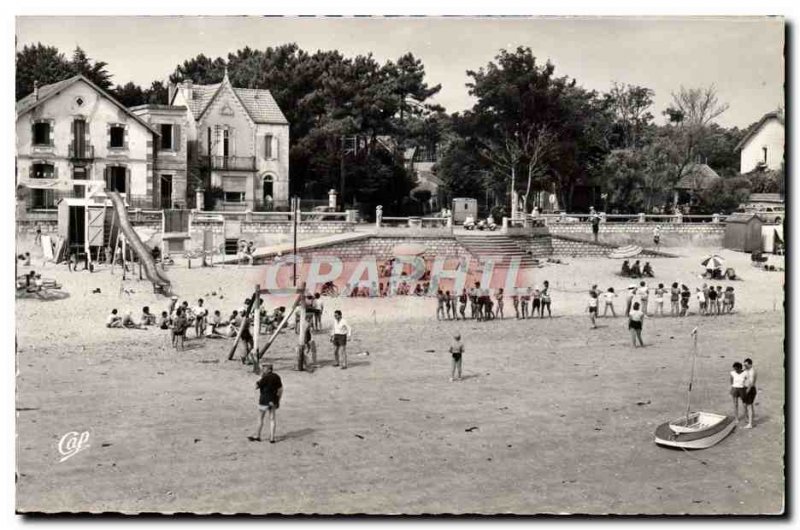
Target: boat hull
(695,439)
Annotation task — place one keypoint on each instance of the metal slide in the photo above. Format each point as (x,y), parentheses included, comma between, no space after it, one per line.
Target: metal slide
(153,273)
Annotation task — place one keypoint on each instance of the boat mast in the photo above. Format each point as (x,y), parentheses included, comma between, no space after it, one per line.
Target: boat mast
(691,379)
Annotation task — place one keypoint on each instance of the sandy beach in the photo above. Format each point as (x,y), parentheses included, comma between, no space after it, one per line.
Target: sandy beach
(551,416)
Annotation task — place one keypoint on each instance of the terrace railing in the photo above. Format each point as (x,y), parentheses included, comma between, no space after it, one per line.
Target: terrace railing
(229,163)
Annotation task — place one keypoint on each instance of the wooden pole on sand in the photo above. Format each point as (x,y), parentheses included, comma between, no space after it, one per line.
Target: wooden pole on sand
(239,333)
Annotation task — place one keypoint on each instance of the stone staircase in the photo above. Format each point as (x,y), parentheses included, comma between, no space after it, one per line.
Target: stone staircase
(497,247)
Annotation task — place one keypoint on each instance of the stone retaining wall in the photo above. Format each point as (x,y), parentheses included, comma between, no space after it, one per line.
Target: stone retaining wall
(672,234)
(382,248)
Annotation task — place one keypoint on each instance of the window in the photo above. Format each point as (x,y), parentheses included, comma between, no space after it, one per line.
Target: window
(166,136)
(116,178)
(116,138)
(43,171)
(41,133)
(764,151)
(43,199)
(234,196)
(268,146)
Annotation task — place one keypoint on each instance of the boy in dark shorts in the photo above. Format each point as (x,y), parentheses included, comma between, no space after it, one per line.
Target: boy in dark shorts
(456,351)
(246,337)
(270,391)
(462,304)
(749,392)
(179,325)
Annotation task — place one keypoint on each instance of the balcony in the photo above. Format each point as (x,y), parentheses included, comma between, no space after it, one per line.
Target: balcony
(229,163)
(81,152)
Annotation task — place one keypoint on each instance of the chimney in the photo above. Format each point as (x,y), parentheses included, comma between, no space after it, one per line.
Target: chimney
(171,88)
(188,84)
(36,90)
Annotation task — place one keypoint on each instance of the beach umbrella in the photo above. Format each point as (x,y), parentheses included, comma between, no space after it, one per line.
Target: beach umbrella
(713,262)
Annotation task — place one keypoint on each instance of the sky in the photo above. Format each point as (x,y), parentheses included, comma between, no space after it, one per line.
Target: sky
(741,56)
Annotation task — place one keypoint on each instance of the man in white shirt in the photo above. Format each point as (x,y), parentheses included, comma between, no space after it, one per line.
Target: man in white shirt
(200,313)
(339,335)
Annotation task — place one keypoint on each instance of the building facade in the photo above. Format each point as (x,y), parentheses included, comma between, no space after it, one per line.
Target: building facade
(763,145)
(238,140)
(170,154)
(73,130)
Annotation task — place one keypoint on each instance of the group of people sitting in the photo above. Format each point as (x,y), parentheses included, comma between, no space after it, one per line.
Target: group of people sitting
(636,271)
(179,318)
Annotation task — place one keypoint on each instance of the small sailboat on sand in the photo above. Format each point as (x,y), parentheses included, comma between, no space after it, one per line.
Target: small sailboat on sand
(695,430)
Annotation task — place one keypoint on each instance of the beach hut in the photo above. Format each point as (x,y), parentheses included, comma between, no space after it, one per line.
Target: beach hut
(743,232)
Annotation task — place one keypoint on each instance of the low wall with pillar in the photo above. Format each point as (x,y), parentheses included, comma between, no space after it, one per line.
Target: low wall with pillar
(672,234)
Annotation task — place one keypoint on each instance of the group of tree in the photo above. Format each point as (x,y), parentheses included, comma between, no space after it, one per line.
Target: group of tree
(529,130)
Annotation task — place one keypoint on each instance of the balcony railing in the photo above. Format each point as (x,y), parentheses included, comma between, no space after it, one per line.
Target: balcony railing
(81,152)
(229,163)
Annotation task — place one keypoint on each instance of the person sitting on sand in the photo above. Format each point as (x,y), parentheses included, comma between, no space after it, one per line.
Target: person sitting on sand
(636,271)
(164,321)
(129,323)
(648,270)
(114,320)
(234,321)
(148,318)
(214,323)
(418,289)
(626,269)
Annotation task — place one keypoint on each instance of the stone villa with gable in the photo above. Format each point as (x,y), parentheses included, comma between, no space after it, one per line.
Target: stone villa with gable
(238,139)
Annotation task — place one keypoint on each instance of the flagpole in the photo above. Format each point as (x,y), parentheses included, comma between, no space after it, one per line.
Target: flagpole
(691,379)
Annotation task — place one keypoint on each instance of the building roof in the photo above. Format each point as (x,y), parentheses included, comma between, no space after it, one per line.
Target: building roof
(258,103)
(777,114)
(158,107)
(697,177)
(46,92)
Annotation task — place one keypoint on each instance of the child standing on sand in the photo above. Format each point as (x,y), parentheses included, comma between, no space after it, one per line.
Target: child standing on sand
(526,297)
(499,297)
(515,303)
(592,307)
(457,352)
(439,305)
(686,294)
(738,379)
(462,304)
(447,301)
(537,302)
(609,301)
(674,300)
(635,322)
(659,298)
(546,299)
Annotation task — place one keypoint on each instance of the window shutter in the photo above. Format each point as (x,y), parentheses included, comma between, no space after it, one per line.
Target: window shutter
(125,137)
(33,133)
(107,177)
(30,171)
(128,181)
(176,137)
(52,139)
(108,135)
(268,146)
(55,171)
(276,153)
